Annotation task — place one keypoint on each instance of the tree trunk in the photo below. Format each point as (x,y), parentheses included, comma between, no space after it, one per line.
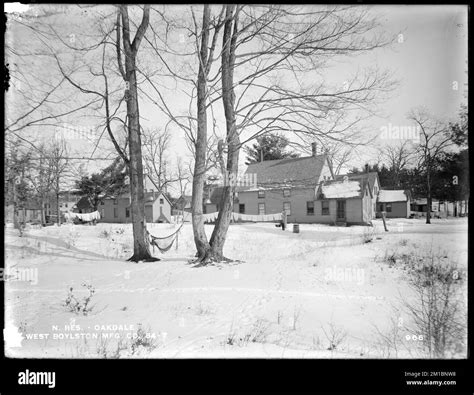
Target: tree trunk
(233,142)
(428,200)
(16,224)
(200,238)
(141,250)
(43,214)
(57,201)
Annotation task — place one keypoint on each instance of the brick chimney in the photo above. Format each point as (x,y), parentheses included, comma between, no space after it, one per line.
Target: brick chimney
(314,147)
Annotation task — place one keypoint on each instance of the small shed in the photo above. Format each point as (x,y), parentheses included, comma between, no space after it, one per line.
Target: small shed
(395,203)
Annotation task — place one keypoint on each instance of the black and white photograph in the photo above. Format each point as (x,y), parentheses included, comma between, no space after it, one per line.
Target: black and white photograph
(237,181)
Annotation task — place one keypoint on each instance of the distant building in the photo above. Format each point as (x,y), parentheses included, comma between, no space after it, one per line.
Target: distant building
(395,203)
(30,211)
(439,208)
(118,210)
(308,191)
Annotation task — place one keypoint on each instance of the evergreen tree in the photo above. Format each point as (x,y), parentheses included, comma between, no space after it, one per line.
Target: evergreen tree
(269,147)
(109,182)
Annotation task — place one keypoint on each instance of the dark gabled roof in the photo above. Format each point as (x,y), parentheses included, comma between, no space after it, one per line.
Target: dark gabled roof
(83,203)
(288,172)
(368,177)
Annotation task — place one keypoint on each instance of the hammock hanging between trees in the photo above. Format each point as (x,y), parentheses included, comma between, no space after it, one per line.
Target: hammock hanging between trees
(156,241)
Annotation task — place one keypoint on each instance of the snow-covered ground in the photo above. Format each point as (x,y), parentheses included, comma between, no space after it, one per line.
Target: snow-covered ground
(321,293)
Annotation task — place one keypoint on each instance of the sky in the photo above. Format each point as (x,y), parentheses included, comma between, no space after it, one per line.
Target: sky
(428,59)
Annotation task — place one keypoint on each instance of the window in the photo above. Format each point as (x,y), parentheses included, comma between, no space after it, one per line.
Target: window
(102,203)
(162,201)
(242,208)
(310,208)
(286,193)
(115,201)
(261,209)
(325,207)
(287,208)
(204,209)
(380,207)
(389,207)
(115,212)
(261,194)
(127,212)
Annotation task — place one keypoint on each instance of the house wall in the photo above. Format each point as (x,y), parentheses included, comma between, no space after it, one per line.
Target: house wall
(152,211)
(367,212)
(26,215)
(212,208)
(399,209)
(354,211)
(107,210)
(298,198)
(161,211)
(149,213)
(274,200)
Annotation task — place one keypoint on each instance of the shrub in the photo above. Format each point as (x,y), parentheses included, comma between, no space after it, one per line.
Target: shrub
(80,306)
(258,333)
(438,310)
(141,342)
(105,234)
(334,335)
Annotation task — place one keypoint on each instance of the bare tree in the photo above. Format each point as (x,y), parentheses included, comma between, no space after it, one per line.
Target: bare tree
(95,72)
(60,169)
(398,158)
(129,74)
(434,140)
(157,163)
(263,44)
(41,177)
(184,178)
